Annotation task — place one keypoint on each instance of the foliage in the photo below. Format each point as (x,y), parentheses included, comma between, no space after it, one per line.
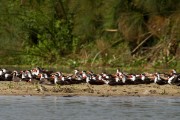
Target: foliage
(48,37)
(126,33)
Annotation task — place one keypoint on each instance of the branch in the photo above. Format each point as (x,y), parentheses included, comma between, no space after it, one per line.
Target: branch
(111,30)
(135,49)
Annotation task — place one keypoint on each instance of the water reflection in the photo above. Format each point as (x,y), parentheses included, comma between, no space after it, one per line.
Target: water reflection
(88,108)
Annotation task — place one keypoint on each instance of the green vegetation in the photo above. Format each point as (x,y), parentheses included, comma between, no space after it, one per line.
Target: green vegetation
(111,33)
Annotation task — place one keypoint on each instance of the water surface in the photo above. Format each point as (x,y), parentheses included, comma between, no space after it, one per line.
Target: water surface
(88,108)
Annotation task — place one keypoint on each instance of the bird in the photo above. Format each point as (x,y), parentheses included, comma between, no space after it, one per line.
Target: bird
(158,80)
(15,78)
(59,81)
(44,80)
(145,79)
(174,79)
(91,81)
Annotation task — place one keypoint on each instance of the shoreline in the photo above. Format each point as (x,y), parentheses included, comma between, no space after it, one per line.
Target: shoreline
(9,88)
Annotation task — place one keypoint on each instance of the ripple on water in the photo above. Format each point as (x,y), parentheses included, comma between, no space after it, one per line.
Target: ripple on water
(88,108)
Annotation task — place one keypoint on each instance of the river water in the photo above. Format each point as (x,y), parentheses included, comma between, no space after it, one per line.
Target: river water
(89,108)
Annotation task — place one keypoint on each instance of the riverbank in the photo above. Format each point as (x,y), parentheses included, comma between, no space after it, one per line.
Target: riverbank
(24,88)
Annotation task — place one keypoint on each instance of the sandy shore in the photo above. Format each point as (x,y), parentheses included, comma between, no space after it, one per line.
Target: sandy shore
(24,88)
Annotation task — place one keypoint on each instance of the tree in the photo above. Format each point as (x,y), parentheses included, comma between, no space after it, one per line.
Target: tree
(48,31)
(140,19)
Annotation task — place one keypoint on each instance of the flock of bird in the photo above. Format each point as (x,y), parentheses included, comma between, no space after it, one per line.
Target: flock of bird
(43,76)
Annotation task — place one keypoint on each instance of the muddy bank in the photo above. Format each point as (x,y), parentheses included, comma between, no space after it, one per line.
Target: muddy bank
(24,88)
